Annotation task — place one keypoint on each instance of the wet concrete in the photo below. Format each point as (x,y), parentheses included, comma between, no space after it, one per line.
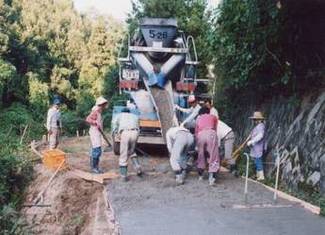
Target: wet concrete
(155,205)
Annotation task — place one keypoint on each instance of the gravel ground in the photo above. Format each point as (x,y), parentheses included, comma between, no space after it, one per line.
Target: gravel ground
(155,205)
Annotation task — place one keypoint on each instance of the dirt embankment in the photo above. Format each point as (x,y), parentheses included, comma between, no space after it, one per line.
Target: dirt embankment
(70,205)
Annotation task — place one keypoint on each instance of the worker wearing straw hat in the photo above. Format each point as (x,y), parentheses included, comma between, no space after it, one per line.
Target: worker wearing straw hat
(53,123)
(257,143)
(96,124)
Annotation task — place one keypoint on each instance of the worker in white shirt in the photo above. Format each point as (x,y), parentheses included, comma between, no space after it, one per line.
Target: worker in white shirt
(179,142)
(193,112)
(126,124)
(213,110)
(226,134)
(53,123)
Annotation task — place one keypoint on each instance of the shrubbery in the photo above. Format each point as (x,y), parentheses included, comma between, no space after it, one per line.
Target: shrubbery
(15,164)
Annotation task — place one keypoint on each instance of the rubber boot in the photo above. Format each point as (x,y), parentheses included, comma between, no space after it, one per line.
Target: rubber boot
(184,173)
(260,175)
(96,169)
(136,165)
(179,178)
(233,170)
(91,164)
(212,179)
(200,172)
(123,173)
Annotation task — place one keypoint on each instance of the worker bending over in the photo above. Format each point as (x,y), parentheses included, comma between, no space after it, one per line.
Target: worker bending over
(226,134)
(179,142)
(257,143)
(207,142)
(213,110)
(193,112)
(126,124)
(94,119)
(53,123)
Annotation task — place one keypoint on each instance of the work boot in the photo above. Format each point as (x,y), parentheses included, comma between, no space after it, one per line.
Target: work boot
(136,165)
(123,173)
(179,179)
(260,175)
(212,179)
(200,172)
(233,170)
(91,164)
(96,169)
(183,174)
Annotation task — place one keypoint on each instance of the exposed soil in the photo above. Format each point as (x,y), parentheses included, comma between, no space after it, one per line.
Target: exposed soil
(72,205)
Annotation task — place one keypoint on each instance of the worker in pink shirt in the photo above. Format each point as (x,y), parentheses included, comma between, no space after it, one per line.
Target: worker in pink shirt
(207,142)
(94,119)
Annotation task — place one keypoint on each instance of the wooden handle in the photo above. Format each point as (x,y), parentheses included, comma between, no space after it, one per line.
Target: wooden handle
(235,154)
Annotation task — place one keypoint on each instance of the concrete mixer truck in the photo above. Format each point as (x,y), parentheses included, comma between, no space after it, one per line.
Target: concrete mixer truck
(158,72)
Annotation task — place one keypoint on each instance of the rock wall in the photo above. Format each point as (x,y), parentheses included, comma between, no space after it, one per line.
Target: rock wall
(296,131)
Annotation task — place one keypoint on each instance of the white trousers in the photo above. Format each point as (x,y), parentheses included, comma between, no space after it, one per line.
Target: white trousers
(127,146)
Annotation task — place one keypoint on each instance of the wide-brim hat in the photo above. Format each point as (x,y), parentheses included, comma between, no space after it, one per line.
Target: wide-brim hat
(191,99)
(257,116)
(101,100)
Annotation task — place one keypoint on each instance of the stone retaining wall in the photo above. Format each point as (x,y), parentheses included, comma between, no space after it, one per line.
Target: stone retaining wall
(297,133)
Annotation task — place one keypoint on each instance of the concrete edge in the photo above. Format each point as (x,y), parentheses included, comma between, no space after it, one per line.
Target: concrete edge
(110,213)
(306,205)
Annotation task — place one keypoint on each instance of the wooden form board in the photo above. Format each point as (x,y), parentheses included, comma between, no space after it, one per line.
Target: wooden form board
(150,123)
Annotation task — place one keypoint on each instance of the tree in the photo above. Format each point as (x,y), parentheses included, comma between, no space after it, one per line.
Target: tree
(102,54)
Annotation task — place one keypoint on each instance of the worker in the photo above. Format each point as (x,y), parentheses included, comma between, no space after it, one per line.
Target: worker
(193,111)
(179,142)
(213,110)
(126,124)
(257,143)
(53,123)
(226,134)
(96,126)
(207,142)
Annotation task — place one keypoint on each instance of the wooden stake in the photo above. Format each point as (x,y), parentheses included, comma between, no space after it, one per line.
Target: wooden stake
(24,133)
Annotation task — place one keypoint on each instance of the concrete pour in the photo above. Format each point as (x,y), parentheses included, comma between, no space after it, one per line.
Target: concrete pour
(155,205)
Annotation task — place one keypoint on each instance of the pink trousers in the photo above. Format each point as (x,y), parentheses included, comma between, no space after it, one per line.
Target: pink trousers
(207,144)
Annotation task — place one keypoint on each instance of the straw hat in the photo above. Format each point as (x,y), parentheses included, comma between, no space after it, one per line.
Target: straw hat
(101,100)
(257,116)
(191,99)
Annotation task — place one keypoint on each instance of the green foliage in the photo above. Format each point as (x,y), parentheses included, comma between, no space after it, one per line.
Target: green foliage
(245,41)
(38,93)
(15,167)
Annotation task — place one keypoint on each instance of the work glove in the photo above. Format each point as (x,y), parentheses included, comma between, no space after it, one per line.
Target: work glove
(250,143)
